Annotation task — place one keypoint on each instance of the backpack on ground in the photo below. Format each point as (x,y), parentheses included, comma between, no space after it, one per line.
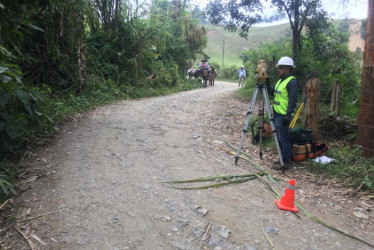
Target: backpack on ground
(266,132)
(303,145)
(301,136)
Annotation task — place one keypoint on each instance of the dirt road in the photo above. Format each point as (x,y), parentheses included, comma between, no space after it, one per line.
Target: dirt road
(105,178)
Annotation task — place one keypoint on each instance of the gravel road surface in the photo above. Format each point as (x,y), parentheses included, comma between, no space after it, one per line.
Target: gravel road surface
(103,183)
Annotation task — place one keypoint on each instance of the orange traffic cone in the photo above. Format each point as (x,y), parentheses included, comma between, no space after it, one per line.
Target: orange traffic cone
(287,202)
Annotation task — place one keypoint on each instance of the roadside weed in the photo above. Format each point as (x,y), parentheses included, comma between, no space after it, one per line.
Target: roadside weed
(349,166)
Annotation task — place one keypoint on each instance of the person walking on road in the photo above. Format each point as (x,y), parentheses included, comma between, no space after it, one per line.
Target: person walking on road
(241,73)
(285,97)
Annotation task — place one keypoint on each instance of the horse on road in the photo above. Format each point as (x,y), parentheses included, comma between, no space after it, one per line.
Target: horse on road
(205,76)
(212,77)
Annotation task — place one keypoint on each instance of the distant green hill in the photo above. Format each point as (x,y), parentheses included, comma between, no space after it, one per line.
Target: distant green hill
(234,44)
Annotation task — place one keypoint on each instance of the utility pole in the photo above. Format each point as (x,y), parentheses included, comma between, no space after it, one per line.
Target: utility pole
(223,51)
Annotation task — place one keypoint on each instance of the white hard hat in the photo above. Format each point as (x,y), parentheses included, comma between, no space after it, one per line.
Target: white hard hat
(242,66)
(285,60)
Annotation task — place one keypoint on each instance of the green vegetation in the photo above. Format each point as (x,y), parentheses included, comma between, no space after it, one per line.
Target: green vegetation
(349,166)
(59,58)
(244,14)
(330,48)
(327,54)
(126,54)
(234,44)
(67,104)
(5,185)
(22,107)
(257,37)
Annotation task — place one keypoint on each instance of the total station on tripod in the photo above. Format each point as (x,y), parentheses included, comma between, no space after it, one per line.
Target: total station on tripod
(261,75)
(263,104)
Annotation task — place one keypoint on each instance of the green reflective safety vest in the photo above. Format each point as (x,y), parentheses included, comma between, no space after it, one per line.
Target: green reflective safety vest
(281,96)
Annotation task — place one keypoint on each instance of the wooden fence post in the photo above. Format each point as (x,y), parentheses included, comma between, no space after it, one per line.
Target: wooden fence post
(337,99)
(333,96)
(313,106)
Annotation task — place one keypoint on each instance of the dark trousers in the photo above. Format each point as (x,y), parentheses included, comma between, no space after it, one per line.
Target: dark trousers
(283,136)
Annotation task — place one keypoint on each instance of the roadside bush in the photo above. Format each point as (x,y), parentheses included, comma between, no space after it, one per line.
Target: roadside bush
(22,107)
(229,72)
(189,84)
(101,56)
(330,57)
(215,65)
(7,178)
(164,75)
(98,92)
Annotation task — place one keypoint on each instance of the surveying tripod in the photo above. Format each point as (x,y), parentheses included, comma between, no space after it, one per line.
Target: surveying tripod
(260,88)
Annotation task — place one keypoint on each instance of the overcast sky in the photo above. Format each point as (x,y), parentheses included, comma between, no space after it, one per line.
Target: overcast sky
(357,9)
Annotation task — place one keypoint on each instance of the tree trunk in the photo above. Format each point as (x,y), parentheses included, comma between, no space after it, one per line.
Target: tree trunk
(117,15)
(365,123)
(294,43)
(295,31)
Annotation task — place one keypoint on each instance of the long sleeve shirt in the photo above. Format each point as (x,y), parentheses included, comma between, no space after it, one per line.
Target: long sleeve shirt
(292,88)
(241,72)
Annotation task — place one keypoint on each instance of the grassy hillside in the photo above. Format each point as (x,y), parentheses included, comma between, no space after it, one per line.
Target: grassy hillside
(234,44)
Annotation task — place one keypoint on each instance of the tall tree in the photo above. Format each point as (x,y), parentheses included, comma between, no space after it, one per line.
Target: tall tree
(365,131)
(244,13)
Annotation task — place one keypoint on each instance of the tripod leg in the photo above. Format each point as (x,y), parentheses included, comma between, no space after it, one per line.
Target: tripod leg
(265,94)
(249,113)
(261,120)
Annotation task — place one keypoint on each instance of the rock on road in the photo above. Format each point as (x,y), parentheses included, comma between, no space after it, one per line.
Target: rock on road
(111,165)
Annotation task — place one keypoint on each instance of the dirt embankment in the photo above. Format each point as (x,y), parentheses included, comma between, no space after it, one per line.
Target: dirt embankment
(355,39)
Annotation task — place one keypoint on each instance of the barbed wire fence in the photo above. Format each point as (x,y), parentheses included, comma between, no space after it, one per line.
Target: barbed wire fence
(331,100)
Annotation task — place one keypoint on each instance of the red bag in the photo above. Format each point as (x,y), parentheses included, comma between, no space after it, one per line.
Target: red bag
(311,150)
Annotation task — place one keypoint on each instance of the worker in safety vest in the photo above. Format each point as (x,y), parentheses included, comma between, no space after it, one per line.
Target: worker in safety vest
(285,97)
